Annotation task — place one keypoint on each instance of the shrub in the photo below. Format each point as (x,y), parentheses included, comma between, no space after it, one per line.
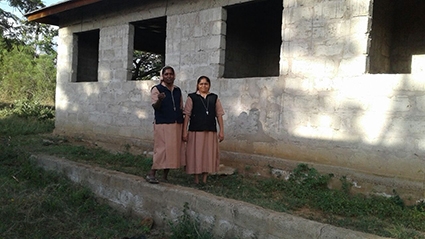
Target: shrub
(27,108)
(188,227)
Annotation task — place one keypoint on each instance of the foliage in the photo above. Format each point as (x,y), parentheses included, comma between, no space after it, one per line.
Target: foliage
(39,204)
(25,118)
(146,65)
(15,30)
(188,227)
(26,108)
(23,76)
(27,55)
(7,20)
(25,6)
(305,176)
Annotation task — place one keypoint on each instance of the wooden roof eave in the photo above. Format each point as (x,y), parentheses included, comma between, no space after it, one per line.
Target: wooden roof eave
(51,15)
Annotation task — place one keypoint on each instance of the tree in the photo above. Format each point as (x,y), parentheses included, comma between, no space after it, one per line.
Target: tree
(27,55)
(146,65)
(23,76)
(16,30)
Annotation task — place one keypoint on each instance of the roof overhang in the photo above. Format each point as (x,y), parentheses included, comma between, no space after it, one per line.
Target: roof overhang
(52,14)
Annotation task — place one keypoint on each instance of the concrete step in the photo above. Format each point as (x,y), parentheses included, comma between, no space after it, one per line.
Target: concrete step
(165,202)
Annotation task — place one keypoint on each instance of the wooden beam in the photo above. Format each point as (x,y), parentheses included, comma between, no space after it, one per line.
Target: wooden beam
(48,12)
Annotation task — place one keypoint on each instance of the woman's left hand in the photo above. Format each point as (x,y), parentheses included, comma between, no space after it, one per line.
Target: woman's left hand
(220,137)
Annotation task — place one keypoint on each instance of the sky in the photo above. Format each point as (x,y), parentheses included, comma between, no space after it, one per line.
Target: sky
(5,6)
(51,2)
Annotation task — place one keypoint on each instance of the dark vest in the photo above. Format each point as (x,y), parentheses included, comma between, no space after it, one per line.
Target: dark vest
(170,111)
(199,119)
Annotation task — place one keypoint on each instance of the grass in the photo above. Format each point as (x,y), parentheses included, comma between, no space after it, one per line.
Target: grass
(189,227)
(39,204)
(34,197)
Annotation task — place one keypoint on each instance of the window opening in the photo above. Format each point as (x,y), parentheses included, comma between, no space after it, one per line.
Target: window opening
(253,39)
(397,44)
(149,48)
(88,55)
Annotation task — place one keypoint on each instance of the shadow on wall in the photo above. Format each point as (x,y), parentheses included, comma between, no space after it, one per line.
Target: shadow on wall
(248,125)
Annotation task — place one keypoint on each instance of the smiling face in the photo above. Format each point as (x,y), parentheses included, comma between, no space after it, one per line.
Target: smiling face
(203,86)
(168,76)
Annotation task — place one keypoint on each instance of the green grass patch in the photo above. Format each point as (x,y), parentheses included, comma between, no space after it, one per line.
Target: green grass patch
(188,226)
(39,204)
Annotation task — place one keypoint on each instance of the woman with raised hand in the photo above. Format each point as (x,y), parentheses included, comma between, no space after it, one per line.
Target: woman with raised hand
(167,102)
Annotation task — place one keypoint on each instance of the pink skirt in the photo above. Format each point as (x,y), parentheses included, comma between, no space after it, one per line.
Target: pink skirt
(169,150)
(202,152)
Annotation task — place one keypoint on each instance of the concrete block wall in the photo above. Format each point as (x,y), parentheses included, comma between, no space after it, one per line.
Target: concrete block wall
(195,45)
(322,109)
(369,124)
(116,55)
(115,107)
(324,38)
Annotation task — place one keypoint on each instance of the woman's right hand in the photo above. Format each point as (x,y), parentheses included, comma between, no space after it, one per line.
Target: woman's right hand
(161,96)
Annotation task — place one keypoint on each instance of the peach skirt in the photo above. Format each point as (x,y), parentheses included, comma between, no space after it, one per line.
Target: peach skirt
(202,155)
(168,146)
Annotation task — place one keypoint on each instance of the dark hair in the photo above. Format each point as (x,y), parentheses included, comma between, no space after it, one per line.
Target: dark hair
(203,77)
(167,68)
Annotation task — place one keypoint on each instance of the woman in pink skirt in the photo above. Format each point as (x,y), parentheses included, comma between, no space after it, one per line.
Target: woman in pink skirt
(203,110)
(167,102)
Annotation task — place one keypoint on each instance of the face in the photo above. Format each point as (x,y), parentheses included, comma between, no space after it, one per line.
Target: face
(168,77)
(203,86)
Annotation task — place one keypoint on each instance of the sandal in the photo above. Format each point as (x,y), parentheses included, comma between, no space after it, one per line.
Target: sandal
(151,179)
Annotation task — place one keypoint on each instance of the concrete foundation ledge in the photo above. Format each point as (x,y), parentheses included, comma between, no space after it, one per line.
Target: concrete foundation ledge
(164,202)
